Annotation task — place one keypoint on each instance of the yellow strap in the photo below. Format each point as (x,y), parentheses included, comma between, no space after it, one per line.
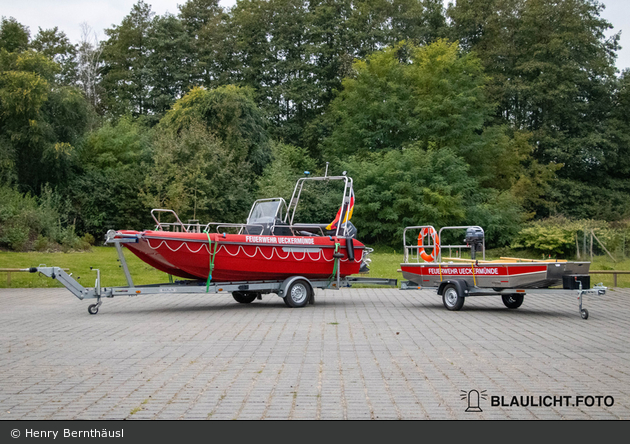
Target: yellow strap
(474,278)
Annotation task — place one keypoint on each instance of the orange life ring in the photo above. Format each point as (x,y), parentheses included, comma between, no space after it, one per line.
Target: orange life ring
(429,231)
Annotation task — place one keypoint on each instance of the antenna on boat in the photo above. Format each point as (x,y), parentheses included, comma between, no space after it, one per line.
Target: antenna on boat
(326,173)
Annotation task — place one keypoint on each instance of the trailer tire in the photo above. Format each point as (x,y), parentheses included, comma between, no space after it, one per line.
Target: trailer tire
(584,313)
(298,293)
(512,300)
(93,309)
(244,297)
(451,298)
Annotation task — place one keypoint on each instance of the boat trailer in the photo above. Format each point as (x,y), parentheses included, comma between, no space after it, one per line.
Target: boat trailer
(455,291)
(455,282)
(296,291)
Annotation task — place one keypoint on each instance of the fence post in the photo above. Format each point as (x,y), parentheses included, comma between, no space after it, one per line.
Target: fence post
(584,243)
(577,246)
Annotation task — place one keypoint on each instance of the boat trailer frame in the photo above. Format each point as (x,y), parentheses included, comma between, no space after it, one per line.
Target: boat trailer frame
(455,291)
(300,284)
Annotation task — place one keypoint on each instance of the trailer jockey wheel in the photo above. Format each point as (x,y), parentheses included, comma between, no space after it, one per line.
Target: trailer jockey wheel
(451,298)
(584,313)
(512,300)
(244,297)
(93,309)
(298,294)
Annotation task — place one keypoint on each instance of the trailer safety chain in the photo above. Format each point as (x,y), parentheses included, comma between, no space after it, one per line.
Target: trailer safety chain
(212,256)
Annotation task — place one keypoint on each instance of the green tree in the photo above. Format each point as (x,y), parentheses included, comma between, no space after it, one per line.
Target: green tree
(232,116)
(552,75)
(432,96)
(169,49)
(193,174)
(56,45)
(40,121)
(14,37)
(126,73)
(408,106)
(105,190)
(212,56)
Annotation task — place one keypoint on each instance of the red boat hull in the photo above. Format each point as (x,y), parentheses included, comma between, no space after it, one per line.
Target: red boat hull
(494,274)
(243,257)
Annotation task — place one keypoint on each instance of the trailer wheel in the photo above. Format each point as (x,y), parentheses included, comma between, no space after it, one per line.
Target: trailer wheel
(286,301)
(584,313)
(93,309)
(298,294)
(512,300)
(451,298)
(244,297)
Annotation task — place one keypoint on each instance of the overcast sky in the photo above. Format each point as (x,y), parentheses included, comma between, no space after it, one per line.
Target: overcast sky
(68,15)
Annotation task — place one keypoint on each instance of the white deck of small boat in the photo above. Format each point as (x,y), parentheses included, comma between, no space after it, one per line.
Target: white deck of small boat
(358,353)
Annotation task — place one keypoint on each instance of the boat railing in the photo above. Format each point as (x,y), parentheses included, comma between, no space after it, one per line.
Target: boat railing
(412,252)
(298,229)
(255,229)
(166,226)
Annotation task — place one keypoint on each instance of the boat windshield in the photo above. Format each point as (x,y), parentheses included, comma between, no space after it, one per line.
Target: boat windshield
(264,211)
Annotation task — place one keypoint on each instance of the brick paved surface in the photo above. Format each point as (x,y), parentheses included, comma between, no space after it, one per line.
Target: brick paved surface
(355,354)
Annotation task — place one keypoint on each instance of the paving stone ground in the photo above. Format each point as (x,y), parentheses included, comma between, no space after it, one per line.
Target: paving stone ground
(375,353)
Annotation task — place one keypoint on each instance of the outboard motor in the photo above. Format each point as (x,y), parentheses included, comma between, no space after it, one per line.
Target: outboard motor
(352,230)
(474,239)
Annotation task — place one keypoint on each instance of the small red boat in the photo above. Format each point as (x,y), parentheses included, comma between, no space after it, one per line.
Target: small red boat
(504,273)
(269,246)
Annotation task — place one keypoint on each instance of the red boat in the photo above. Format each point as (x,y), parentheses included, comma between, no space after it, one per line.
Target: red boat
(504,273)
(269,246)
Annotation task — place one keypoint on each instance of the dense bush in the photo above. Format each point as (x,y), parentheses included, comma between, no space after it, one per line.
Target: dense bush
(28,222)
(560,237)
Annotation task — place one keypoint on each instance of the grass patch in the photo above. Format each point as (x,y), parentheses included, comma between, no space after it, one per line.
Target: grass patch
(78,263)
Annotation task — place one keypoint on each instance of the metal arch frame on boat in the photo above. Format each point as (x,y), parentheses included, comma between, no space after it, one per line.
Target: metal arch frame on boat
(289,215)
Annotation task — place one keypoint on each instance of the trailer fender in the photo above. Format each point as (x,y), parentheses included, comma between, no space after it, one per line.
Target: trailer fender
(282,291)
(461,285)
(287,287)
